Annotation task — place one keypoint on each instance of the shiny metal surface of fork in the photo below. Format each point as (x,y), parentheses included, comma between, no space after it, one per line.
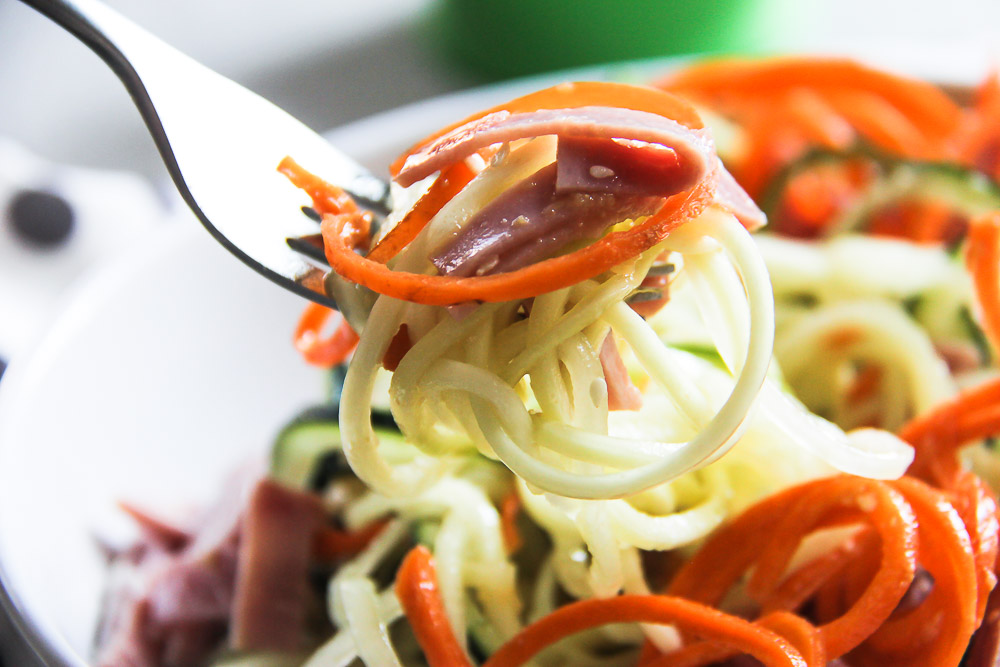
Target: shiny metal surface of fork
(222,144)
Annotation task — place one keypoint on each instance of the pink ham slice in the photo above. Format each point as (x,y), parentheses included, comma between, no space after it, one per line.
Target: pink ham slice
(272,588)
(693,149)
(622,393)
(170,609)
(532,220)
(169,604)
(630,168)
(245,569)
(731,196)
(598,179)
(619,166)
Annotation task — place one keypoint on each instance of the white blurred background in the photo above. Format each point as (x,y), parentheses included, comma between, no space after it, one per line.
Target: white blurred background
(328,63)
(333,61)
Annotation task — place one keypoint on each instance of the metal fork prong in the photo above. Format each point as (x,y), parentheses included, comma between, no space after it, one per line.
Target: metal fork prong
(311,246)
(371,193)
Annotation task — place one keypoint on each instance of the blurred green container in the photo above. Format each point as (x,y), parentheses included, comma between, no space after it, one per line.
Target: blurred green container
(497,39)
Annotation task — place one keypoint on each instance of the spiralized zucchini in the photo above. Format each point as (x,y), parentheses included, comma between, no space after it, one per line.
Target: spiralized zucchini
(502,398)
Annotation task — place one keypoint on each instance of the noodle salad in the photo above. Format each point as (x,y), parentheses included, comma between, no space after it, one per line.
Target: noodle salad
(587,409)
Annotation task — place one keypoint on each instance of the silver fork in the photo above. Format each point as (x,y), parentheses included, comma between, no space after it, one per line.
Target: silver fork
(222,144)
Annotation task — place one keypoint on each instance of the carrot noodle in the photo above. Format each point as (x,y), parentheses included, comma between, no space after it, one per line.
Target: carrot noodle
(715,569)
(446,186)
(417,590)
(982,257)
(937,631)
(802,634)
(800,585)
(922,103)
(979,135)
(765,645)
(327,199)
(510,508)
(881,123)
(937,435)
(333,544)
(530,281)
(324,352)
(977,505)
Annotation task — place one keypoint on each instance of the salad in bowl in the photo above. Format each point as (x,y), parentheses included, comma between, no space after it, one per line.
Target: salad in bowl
(700,372)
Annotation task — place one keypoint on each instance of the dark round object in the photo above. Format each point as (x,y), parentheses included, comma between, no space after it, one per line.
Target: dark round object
(3,367)
(41,218)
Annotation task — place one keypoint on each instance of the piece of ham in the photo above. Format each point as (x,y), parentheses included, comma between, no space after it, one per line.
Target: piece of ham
(243,572)
(622,393)
(169,609)
(272,589)
(533,220)
(618,166)
(693,149)
(599,178)
(169,604)
(731,196)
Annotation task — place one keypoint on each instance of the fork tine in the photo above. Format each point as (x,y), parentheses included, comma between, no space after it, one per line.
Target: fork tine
(310,245)
(315,280)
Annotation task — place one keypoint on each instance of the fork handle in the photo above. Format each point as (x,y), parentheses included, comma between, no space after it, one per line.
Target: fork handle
(120,43)
(92,22)
(103,29)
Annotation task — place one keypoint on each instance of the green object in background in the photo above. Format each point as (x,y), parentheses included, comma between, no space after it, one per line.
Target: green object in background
(497,39)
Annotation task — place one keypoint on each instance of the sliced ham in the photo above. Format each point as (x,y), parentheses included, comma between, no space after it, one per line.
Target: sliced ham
(170,610)
(619,166)
(622,393)
(693,148)
(960,356)
(532,220)
(269,610)
(169,606)
(731,196)
(194,589)
(128,645)
(611,164)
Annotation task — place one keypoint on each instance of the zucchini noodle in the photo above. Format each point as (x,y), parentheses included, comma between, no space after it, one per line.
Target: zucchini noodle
(514,435)
(369,626)
(468,546)
(828,339)
(878,306)
(364,622)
